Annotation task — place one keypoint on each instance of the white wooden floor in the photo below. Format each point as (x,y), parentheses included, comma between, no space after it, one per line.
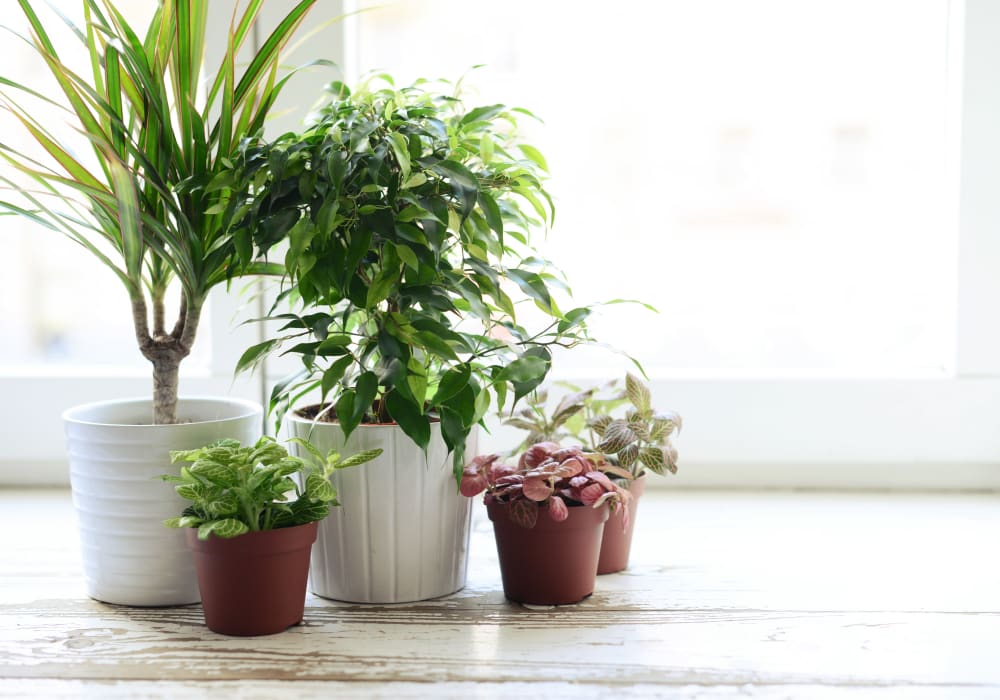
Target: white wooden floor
(756,595)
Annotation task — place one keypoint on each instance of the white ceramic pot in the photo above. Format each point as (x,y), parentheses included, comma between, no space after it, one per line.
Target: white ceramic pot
(402,533)
(115,457)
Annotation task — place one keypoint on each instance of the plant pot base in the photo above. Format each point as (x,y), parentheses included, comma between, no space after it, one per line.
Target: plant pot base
(617,542)
(253,584)
(551,563)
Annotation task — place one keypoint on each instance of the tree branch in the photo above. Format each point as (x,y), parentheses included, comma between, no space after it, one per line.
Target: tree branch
(140,321)
(159,314)
(181,318)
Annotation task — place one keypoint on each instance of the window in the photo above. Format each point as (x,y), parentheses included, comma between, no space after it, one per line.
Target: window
(775,195)
(804,189)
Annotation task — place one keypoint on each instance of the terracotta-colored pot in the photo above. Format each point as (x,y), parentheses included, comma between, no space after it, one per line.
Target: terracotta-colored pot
(617,542)
(551,563)
(254,583)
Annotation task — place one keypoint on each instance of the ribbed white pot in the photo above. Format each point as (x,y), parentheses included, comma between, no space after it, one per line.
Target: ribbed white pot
(115,457)
(402,533)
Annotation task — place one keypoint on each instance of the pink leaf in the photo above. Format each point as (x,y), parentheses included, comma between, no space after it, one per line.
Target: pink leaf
(536,454)
(524,513)
(601,479)
(557,509)
(472,484)
(561,455)
(578,482)
(537,487)
(571,466)
(590,494)
(496,471)
(605,497)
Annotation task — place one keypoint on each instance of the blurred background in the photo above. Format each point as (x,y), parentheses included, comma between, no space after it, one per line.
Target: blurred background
(805,191)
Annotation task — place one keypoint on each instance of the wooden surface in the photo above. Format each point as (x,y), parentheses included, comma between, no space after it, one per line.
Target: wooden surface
(758,595)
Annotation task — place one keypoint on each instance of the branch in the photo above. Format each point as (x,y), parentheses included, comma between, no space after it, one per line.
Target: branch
(140,321)
(159,314)
(181,319)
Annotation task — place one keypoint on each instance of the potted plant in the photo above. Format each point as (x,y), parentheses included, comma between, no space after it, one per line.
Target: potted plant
(548,518)
(408,217)
(631,443)
(250,527)
(146,199)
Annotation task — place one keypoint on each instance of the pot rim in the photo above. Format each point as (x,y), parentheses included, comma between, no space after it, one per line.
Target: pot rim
(293,417)
(250,410)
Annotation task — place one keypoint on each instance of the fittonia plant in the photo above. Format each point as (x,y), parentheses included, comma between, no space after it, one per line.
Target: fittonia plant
(235,489)
(548,477)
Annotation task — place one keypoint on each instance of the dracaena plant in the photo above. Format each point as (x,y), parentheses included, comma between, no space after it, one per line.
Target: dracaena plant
(547,478)
(235,489)
(640,439)
(148,199)
(407,214)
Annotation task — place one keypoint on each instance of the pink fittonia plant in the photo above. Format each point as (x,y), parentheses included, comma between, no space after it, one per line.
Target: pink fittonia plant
(548,477)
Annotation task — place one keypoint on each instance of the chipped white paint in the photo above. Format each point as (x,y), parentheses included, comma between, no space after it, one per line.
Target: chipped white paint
(749,595)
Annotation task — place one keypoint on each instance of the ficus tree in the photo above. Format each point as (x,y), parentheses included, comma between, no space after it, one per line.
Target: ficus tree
(162,128)
(408,216)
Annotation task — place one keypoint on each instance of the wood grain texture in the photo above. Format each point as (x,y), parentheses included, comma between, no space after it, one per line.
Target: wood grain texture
(730,595)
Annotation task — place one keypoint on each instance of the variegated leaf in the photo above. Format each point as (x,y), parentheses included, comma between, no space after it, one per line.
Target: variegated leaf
(537,487)
(230,527)
(319,488)
(521,423)
(616,436)
(599,424)
(221,507)
(652,458)
(524,513)
(638,393)
(628,455)
(640,428)
(661,430)
(670,458)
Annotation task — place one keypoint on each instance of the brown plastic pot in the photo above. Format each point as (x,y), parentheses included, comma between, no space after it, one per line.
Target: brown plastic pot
(551,563)
(617,542)
(255,583)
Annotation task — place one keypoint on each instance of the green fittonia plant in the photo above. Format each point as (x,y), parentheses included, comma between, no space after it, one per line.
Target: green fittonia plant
(407,215)
(235,489)
(635,441)
(147,197)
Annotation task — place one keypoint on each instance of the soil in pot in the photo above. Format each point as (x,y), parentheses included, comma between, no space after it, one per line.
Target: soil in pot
(255,583)
(617,542)
(551,563)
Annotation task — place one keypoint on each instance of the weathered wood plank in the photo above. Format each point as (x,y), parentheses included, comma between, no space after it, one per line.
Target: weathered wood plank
(324,690)
(759,595)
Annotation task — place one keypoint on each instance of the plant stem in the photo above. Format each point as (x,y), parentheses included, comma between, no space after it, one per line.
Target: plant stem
(165,374)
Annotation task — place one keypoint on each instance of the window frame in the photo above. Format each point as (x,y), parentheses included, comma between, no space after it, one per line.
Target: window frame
(926,431)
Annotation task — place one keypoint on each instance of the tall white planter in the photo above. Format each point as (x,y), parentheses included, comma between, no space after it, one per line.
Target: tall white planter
(402,533)
(115,456)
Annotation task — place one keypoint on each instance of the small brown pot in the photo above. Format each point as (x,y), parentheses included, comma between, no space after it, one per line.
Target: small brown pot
(255,583)
(617,540)
(551,563)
